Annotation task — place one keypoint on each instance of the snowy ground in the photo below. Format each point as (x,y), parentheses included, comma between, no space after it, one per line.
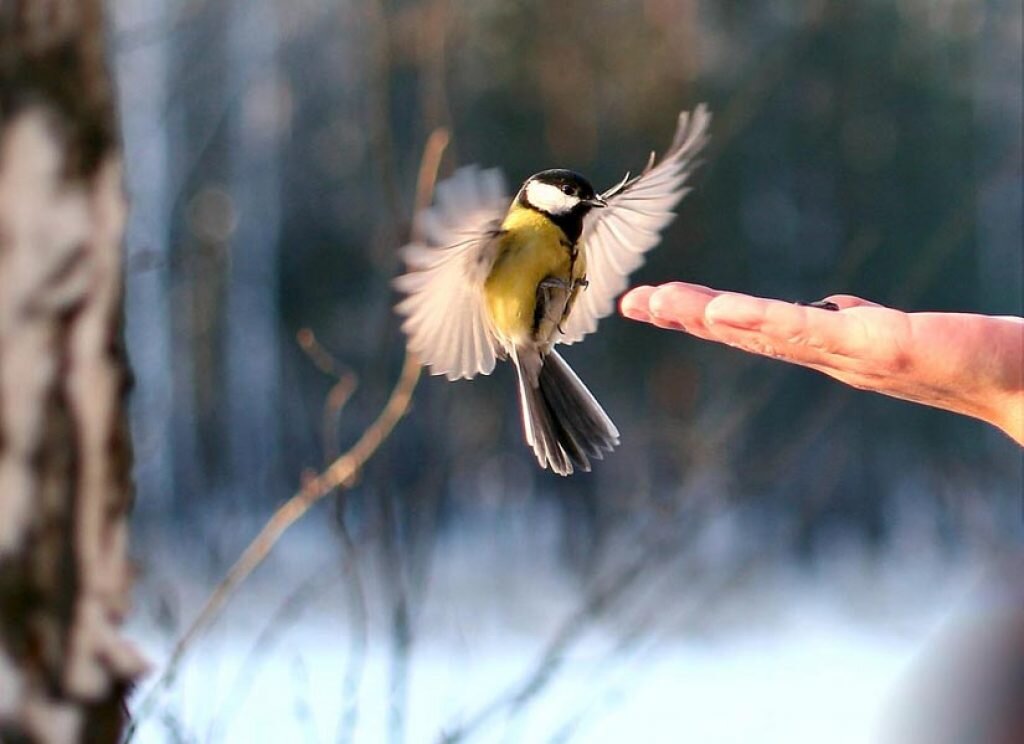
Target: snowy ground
(780,656)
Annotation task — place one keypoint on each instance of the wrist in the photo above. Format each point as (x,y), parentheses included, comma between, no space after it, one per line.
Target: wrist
(1009,416)
(1009,399)
(984,356)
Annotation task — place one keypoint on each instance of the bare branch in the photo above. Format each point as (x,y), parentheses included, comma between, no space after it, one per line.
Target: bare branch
(337,396)
(287,613)
(342,473)
(357,644)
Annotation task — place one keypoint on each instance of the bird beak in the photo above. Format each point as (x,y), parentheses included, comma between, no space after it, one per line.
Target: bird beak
(598,201)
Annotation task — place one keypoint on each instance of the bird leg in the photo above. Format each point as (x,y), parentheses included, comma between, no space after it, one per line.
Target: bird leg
(552,300)
(553,282)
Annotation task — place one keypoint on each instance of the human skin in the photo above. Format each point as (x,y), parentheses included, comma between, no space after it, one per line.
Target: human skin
(961,362)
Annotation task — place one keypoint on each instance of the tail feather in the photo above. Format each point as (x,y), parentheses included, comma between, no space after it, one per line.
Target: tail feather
(564,423)
(539,427)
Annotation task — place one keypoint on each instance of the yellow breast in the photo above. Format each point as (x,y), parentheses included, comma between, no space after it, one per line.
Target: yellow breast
(532,248)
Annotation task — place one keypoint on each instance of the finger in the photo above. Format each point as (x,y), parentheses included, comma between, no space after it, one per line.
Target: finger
(783,324)
(669,305)
(690,287)
(635,303)
(681,306)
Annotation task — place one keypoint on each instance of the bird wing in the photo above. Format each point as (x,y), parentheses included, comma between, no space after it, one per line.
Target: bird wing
(615,238)
(445,315)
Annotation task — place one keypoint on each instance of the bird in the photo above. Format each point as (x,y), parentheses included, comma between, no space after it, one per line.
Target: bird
(488,279)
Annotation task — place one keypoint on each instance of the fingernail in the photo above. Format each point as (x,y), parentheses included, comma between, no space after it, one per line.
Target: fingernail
(738,311)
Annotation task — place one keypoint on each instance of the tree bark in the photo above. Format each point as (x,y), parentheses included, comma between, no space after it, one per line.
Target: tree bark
(65,456)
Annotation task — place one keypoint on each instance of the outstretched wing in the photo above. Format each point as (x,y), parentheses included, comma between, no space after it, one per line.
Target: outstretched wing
(615,238)
(445,316)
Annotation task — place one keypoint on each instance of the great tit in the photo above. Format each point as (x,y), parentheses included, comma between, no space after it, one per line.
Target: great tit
(487,281)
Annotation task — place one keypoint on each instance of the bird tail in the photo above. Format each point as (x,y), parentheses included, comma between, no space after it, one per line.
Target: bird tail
(563,422)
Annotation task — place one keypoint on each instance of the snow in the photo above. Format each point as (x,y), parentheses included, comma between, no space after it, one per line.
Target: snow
(785,656)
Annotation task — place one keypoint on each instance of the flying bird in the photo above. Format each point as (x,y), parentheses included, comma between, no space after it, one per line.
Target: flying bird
(488,280)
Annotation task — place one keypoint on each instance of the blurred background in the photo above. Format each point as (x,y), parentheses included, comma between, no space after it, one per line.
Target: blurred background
(768,554)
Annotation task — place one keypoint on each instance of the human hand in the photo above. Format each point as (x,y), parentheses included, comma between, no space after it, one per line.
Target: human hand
(969,364)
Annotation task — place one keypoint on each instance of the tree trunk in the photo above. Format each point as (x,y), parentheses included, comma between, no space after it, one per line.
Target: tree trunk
(65,456)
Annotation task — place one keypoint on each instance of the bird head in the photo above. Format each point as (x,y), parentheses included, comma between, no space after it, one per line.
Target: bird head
(560,192)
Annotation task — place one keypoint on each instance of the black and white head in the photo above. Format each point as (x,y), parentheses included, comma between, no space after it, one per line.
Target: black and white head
(560,193)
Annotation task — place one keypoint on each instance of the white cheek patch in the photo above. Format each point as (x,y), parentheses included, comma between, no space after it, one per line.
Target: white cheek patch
(550,198)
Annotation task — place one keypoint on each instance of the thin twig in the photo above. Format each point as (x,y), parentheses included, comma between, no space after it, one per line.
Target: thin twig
(345,385)
(401,611)
(291,607)
(430,164)
(401,630)
(380,131)
(357,643)
(341,473)
(322,359)
(334,404)
(597,602)
(648,634)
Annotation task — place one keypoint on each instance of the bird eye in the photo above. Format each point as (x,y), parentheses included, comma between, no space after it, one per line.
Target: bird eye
(567,190)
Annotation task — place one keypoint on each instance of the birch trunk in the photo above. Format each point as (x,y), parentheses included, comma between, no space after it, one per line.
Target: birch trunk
(65,457)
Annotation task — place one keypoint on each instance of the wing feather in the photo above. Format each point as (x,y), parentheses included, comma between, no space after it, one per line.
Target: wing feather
(616,238)
(445,317)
